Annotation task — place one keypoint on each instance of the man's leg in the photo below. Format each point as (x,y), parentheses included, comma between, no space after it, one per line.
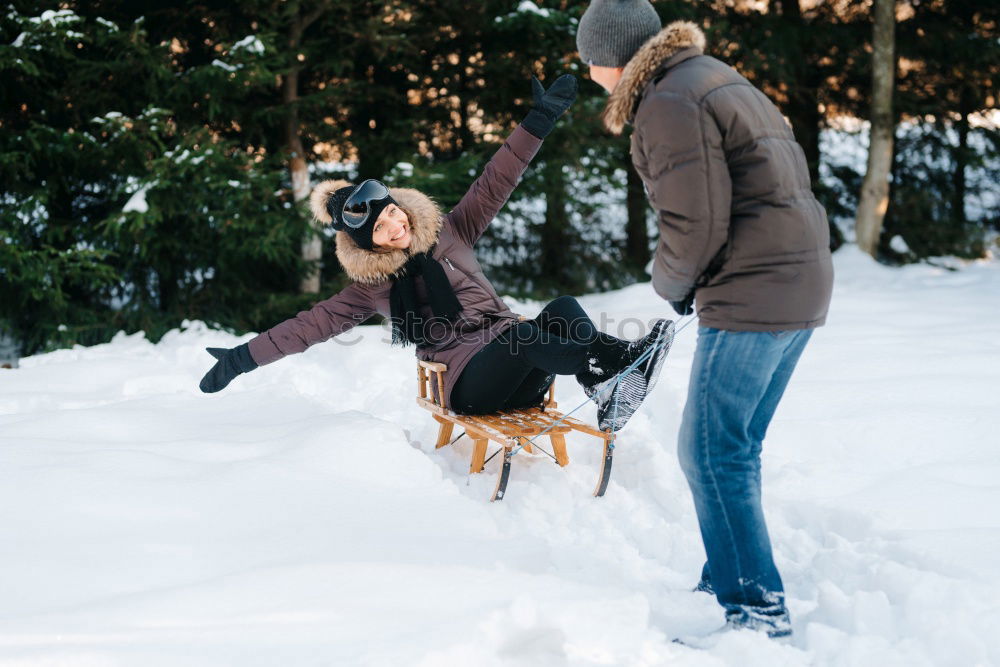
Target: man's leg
(776,389)
(731,377)
(765,411)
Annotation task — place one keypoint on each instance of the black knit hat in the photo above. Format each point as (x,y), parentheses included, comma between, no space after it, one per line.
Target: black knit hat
(362,235)
(611,31)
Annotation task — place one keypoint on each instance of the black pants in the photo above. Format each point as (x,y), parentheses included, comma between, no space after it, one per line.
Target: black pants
(518,366)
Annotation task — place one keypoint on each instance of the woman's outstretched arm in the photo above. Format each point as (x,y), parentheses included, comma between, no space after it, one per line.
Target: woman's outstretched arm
(341,312)
(490,191)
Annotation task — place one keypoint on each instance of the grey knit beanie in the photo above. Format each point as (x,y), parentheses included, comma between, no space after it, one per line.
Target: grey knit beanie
(611,31)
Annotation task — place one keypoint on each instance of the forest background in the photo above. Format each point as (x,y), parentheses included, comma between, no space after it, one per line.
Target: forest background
(155,156)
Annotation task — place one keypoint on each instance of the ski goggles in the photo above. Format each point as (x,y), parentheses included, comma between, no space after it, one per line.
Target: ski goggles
(362,201)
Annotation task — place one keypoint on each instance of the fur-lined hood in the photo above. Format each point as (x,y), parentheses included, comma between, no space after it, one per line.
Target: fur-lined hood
(677,36)
(371,266)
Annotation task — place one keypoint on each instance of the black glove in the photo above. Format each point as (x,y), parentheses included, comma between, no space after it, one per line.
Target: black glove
(683,307)
(231,362)
(549,104)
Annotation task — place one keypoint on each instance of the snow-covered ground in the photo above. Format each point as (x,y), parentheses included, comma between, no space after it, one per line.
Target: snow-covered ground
(303,517)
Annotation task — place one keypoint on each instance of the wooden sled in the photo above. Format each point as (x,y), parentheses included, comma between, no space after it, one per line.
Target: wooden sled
(511,429)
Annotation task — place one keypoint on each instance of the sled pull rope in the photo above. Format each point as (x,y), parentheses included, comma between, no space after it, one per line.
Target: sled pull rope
(622,374)
(514,451)
(491,457)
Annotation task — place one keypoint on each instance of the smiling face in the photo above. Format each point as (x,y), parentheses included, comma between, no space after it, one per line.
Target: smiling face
(392,228)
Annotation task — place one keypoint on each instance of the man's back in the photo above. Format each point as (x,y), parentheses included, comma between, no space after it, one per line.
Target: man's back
(774,269)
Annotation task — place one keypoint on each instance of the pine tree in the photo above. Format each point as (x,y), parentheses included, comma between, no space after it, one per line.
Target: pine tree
(128,208)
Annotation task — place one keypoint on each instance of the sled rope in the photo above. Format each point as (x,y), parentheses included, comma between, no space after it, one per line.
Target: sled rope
(490,458)
(532,443)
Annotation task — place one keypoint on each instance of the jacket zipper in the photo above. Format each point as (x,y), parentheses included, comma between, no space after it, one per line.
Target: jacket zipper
(496,300)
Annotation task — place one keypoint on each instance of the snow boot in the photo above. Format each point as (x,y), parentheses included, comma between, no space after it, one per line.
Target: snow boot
(606,357)
(773,620)
(619,396)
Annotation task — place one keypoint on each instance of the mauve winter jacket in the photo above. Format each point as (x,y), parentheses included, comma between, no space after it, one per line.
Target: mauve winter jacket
(484,315)
(738,221)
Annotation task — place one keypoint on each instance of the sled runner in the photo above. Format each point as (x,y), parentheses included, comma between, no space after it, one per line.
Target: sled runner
(511,429)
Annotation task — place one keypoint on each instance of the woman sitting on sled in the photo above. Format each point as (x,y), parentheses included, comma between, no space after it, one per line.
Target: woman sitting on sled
(416,266)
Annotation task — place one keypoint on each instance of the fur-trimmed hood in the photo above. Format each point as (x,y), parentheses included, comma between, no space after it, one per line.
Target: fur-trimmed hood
(676,37)
(372,266)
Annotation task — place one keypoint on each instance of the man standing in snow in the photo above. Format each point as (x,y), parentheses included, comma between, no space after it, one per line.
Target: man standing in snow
(742,239)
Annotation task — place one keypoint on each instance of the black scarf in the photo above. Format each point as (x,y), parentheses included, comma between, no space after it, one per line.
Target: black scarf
(407,324)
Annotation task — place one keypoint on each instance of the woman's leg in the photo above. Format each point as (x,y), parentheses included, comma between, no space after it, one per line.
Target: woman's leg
(489,378)
(515,369)
(566,318)
(512,365)
(532,390)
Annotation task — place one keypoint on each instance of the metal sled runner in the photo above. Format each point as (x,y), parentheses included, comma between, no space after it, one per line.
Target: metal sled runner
(513,430)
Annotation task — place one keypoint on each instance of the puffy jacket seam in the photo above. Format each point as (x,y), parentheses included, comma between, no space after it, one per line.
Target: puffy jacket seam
(704,114)
(702,100)
(703,258)
(277,354)
(778,202)
(763,136)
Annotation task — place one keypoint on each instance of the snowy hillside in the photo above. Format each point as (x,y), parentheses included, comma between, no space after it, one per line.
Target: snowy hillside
(303,517)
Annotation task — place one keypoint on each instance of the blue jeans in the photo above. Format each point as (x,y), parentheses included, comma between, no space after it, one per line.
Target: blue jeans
(737,380)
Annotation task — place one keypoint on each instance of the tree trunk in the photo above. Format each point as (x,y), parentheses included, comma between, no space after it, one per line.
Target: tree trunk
(298,168)
(890,224)
(10,350)
(312,245)
(803,111)
(874,199)
(637,253)
(372,124)
(804,85)
(167,288)
(803,95)
(961,159)
(555,237)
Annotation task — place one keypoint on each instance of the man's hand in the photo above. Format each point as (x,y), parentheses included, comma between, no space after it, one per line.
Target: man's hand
(231,362)
(684,307)
(549,104)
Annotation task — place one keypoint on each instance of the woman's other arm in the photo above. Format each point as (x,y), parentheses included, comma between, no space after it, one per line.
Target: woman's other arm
(502,173)
(336,315)
(341,312)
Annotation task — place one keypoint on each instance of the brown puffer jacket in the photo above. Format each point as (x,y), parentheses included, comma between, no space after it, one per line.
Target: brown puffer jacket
(738,220)
(484,315)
